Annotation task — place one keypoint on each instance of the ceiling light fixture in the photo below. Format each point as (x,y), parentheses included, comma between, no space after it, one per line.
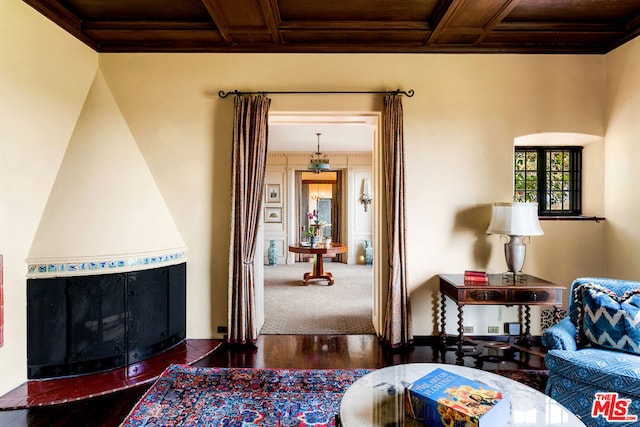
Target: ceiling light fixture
(318,163)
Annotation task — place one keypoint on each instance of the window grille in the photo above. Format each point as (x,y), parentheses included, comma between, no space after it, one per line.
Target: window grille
(551,176)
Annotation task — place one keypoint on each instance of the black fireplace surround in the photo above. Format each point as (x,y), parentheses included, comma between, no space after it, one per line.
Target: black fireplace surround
(83,324)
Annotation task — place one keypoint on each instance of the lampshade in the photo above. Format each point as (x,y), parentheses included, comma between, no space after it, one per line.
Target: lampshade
(515,219)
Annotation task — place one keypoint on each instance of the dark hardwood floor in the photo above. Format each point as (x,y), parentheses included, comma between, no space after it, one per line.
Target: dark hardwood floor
(270,351)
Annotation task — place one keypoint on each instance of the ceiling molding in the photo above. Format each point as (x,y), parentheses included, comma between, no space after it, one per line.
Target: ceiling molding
(356,26)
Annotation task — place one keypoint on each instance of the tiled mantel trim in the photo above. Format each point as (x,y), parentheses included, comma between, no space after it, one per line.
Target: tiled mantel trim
(105,265)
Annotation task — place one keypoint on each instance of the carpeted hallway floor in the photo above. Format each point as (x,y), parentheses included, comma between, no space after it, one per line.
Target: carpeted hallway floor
(318,309)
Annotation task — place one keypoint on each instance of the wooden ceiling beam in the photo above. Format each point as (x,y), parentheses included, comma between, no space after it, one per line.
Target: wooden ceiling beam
(632,30)
(347,48)
(65,19)
(354,25)
(217,17)
(633,23)
(442,17)
(569,27)
(497,19)
(271,15)
(440,26)
(147,25)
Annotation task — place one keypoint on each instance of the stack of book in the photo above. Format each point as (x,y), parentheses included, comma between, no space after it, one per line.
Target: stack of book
(475,276)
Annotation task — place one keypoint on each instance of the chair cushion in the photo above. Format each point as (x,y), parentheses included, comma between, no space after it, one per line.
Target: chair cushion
(578,398)
(604,369)
(609,320)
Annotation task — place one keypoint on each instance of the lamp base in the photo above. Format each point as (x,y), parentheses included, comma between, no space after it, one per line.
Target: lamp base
(515,252)
(511,277)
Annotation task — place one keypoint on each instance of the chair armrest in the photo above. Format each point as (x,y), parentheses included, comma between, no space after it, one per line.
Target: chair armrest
(561,336)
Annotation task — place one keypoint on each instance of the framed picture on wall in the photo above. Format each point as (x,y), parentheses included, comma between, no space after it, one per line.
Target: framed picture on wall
(272,193)
(272,214)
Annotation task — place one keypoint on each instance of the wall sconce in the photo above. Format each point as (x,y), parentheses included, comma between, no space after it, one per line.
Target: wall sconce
(365,197)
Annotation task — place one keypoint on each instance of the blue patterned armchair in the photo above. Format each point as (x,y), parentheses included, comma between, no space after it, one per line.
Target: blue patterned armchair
(604,356)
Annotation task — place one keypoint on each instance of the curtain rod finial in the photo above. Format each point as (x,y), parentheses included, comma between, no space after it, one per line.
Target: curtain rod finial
(409,93)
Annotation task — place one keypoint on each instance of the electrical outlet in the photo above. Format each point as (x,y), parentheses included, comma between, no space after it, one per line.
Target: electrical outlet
(222,329)
(468,329)
(493,329)
(512,328)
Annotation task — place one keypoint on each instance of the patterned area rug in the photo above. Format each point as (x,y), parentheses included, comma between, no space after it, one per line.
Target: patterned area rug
(235,397)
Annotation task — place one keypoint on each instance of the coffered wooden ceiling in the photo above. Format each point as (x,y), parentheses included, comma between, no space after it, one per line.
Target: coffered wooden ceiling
(348,26)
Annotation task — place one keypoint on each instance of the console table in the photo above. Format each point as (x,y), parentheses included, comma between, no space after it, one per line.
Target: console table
(526,291)
(318,265)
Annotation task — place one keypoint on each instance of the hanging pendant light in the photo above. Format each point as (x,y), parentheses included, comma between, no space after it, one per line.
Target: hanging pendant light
(318,163)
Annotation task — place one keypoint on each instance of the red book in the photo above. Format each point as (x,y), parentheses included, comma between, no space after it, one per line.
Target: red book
(475,273)
(476,279)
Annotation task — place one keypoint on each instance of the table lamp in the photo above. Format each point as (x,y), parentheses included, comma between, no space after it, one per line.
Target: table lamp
(515,220)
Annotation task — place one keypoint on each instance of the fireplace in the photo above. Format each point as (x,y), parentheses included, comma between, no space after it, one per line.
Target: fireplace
(91,323)
(106,271)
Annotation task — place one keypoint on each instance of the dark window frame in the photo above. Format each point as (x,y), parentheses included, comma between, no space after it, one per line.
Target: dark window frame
(541,187)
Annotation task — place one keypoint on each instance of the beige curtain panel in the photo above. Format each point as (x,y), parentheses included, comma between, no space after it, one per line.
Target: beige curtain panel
(249,166)
(336,217)
(397,330)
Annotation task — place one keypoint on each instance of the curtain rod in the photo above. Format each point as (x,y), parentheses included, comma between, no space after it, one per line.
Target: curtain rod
(223,94)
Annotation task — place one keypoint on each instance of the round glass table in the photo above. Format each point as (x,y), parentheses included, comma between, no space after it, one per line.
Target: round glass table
(377,398)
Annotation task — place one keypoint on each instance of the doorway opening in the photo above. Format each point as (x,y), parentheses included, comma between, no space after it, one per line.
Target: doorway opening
(318,200)
(351,142)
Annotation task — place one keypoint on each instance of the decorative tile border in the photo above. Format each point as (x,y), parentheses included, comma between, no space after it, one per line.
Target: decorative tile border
(103,266)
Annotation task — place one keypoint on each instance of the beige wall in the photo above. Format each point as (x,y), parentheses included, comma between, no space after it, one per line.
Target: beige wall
(622,154)
(459,133)
(104,205)
(44,78)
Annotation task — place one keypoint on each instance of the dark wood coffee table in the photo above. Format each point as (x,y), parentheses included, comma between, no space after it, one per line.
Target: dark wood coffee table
(318,265)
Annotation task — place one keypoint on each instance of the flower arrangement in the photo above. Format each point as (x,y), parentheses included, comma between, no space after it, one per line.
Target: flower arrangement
(315,226)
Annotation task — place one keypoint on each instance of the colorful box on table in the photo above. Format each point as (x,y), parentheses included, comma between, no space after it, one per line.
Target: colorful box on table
(443,398)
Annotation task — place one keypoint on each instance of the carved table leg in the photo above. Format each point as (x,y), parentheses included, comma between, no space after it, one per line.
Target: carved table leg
(459,351)
(526,338)
(443,324)
(443,320)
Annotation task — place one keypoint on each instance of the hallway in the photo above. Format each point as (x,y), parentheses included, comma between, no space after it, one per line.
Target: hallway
(318,309)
